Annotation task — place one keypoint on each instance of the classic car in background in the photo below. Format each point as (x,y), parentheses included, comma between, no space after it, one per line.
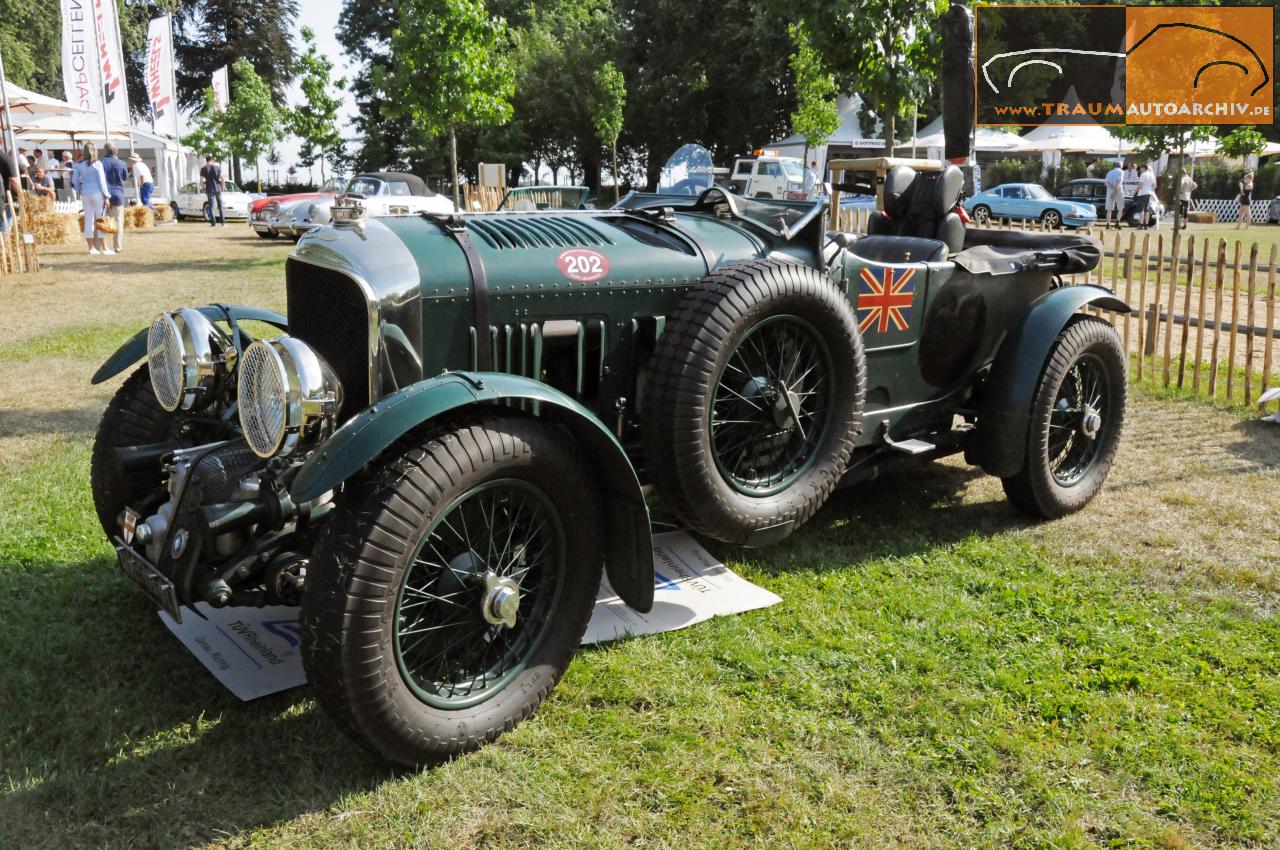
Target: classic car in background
(1093,191)
(1030,202)
(378,193)
(1273,211)
(446,442)
(525,198)
(192,202)
(264,211)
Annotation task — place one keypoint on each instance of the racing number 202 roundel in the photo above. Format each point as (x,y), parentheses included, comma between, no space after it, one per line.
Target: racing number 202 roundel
(583,266)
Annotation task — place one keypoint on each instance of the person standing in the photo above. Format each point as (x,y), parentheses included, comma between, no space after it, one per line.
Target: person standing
(90,181)
(211,174)
(1245,199)
(1185,187)
(142,177)
(1115,194)
(9,185)
(117,174)
(1146,194)
(68,169)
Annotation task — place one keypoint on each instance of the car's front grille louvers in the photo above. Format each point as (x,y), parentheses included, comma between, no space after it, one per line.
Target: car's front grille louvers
(328,311)
(535,231)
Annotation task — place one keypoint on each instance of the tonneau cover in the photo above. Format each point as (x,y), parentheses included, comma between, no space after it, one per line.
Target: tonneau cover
(1010,251)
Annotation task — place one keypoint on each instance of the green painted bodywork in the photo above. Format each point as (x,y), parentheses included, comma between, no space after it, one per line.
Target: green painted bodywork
(1015,374)
(368,434)
(135,348)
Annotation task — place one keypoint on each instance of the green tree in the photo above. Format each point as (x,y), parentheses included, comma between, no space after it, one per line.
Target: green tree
(315,120)
(208,133)
(253,122)
(448,69)
(607,101)
(708,71)
(815,116)
(1243,141)
(211,33)
(888,51)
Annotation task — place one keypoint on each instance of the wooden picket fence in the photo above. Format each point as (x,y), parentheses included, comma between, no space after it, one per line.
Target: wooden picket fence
(18,251)
(1204,312)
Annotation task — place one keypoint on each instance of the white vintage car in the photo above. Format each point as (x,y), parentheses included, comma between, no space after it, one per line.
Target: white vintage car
(379,193)
(192,202)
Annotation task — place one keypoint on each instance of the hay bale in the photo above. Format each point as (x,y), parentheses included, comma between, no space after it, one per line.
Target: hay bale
(49,227)
(164,213)
(138,217)
(1202,217)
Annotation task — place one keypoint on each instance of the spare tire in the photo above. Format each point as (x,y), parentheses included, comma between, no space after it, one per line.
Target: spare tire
(753,399)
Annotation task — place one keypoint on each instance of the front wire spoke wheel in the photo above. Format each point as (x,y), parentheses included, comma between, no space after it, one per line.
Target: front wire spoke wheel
(453,643)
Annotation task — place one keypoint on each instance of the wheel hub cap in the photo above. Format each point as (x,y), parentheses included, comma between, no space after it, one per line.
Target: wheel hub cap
(501,600)
(1091,423)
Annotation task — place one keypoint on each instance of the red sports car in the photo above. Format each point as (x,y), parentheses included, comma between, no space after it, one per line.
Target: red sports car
(262,212)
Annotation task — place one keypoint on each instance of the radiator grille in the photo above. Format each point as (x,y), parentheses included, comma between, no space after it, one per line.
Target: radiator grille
(328,311)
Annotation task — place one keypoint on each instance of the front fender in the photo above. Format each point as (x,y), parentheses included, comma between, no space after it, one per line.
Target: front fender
(135,348)
(628,546)
(1004,414)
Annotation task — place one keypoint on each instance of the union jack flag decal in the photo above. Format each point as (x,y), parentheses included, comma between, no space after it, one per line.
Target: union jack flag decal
(885,300)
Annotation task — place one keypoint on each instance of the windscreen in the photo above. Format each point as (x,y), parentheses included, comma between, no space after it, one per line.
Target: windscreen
(362,186)
(687,172)
(1039,192)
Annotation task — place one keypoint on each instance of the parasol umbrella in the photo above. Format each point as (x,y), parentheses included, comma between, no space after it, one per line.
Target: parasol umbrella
(53,128)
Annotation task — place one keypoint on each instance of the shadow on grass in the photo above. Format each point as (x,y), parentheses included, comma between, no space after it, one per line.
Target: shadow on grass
(1259,443)
(113,735)
(21,423)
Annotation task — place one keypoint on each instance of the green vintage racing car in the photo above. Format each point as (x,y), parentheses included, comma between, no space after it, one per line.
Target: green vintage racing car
(454,430)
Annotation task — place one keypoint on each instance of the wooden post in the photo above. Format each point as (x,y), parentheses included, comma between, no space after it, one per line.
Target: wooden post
(1251,301)
(1271,320)
(1153,331)
(1235,318)
(1187,328)
(1142,300)
(1173,300)
(1204,292)
(1128,284)
(1186,315)
(1217,317)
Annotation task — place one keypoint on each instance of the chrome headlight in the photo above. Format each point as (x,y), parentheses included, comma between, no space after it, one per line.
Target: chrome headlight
(187,355)
(288,395)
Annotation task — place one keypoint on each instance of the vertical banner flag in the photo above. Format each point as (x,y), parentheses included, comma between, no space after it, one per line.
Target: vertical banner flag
(164,103)
(220,88)
(79,56)
(111,61)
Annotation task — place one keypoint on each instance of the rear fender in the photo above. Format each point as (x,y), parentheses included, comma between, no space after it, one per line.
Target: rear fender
(136,347)
(1004,414)
(628,546)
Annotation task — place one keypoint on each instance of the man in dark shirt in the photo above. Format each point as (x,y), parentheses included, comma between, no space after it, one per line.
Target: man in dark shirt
(117,174)
(211,174)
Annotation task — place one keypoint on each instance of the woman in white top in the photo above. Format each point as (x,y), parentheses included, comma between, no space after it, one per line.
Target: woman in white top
(91,182)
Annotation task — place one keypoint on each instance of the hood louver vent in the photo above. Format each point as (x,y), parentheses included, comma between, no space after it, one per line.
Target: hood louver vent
(535,231)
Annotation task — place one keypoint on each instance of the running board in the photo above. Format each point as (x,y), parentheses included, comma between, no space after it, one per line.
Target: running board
(911,447)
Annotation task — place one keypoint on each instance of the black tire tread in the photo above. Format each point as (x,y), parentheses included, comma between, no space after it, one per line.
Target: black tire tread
(683,364)
(1031,490)
(353,573)
(133,417)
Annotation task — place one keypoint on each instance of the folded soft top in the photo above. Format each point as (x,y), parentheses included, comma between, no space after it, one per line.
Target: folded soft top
(1009,251)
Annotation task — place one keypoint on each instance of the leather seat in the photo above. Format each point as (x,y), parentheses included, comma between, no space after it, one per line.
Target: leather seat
(900,249)
(921,204)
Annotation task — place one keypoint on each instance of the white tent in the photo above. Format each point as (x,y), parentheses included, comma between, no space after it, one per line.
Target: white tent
(986,139)
(849,134)
(1073,138)
(24,104)
(77,126)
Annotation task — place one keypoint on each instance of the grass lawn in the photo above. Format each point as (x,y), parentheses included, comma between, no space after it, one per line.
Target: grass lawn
(941,673)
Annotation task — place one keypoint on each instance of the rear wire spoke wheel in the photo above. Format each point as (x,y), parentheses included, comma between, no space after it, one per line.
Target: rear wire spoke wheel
(1076,419)
(754,398)
(453,586)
